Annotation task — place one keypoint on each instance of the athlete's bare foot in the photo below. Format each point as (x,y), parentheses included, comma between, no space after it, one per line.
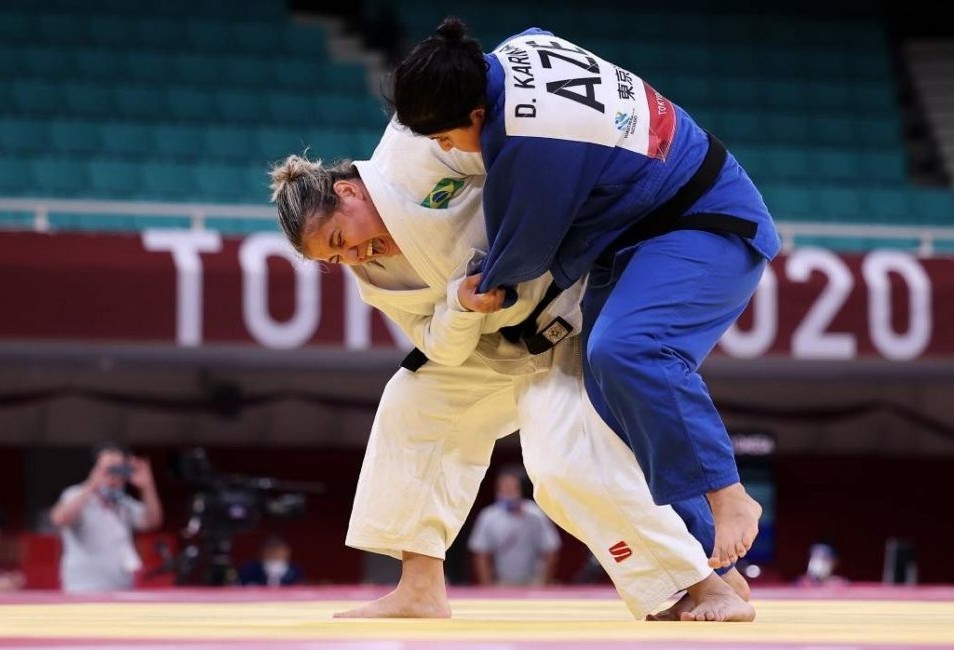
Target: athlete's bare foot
(736,516)
(715,600)
(421,593)
(398,604)
(731,577)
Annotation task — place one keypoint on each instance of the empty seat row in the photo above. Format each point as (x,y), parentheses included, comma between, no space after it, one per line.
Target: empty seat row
(838,204)
(695,91)
(173,142)
(185,32)
(265,72)
(143,102)
(795,164)
(150,181)
(749,127)
(634,22)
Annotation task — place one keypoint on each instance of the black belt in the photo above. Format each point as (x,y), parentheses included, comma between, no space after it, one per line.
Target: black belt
(669,217)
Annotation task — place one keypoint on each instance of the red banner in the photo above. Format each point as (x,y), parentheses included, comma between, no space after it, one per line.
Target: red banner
(194,288)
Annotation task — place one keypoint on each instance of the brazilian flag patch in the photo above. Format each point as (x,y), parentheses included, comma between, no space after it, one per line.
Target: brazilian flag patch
(446,189)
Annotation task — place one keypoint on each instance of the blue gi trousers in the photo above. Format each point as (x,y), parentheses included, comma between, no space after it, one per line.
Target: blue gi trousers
(649,322)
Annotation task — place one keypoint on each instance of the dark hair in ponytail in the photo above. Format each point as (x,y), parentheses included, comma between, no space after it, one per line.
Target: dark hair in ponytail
(441,80)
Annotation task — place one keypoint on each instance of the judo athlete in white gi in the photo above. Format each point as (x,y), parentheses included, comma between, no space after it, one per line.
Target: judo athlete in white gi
(592,172)
(437,423)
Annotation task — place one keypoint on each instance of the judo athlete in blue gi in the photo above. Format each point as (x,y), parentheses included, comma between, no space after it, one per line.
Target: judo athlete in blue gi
(592,171)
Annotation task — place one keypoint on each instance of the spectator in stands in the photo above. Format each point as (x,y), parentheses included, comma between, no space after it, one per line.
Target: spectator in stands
(513,542)
(273,568)
(822,562)
(97,519)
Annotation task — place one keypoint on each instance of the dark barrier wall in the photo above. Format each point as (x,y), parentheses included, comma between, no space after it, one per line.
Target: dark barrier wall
(855,502)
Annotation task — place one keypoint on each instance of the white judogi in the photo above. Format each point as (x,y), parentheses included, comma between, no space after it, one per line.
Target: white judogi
(435,429)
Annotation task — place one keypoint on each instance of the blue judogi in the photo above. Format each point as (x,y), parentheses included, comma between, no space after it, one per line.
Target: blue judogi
(577,150)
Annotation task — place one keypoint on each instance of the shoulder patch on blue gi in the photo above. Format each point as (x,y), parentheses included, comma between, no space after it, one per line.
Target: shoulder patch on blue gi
(445,190)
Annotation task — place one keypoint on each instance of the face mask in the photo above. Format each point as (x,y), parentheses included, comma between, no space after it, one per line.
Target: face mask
(819,568)
(275,568)
(510,505)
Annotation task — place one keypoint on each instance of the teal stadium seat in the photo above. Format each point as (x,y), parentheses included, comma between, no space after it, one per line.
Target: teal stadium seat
(99,65)
(59,29)
(933,206)
(790,202)
(17,28)
(59,177)
(127,140)
(92,100)
(208,36)
(37,98)
(225,143)
(110,31)
(24,136)
(143,66)
(73,137)
(190,104)
(117,180)
(239,106)
(47,63)
(16,177)
(170,182)
(179,142)
(888,166)
(222,183)
(841,204)
(837,165)
(141,102)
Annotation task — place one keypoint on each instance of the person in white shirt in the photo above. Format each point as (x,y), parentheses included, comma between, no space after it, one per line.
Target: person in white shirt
(97,518)
(513,542)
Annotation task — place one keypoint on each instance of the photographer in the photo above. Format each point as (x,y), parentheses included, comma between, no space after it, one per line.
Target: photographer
(96,520)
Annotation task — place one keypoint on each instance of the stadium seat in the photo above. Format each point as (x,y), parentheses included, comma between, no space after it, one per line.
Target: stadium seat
(60,177)
(179,142)
(127,140)
(170,182)
(24,136)
(119,180)
(68,136)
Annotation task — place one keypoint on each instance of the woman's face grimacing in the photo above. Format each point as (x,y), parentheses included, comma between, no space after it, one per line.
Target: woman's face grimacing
(464,138)
(353,233)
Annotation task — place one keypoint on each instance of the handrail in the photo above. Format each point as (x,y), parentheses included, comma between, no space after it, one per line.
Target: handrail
(198,213)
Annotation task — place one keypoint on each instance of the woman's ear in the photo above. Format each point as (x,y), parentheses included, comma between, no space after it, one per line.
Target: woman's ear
(346,188)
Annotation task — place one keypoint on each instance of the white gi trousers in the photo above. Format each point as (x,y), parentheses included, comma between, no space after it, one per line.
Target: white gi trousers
(431,444)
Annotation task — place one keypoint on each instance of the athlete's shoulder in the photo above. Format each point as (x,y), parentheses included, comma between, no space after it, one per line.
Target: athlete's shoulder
(532,31)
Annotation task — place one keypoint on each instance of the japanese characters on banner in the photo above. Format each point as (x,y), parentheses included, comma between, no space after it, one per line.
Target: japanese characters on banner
(192,288)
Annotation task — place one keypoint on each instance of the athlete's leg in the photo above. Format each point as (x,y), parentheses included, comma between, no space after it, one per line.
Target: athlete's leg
(588,481)
(648,332)
(429,449)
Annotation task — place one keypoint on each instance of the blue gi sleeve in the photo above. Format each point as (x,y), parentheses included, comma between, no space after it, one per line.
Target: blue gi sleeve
(534,190)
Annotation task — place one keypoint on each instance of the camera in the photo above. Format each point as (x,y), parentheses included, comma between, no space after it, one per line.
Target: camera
(222,506)
(124,470)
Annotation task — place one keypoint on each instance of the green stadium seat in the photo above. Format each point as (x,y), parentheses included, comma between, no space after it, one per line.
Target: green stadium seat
(237,106)
(59,177)
(189,104)
(120,180)
(789,202)
(16,176)
(59,29)
(888,205)
(841,204)
(17,28)
(99,65)
(208,36)
(127,140)
(149,67)
(92,100)
(933,206)
(788,164)
(837,165)
(46,63)
(35,98)
(72,137)
(222,183)
(141,102)
(251,71)
(24,136)
(110,31)
(198,68)
(179,142)
(229,143)
(888,167)
(170,182)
